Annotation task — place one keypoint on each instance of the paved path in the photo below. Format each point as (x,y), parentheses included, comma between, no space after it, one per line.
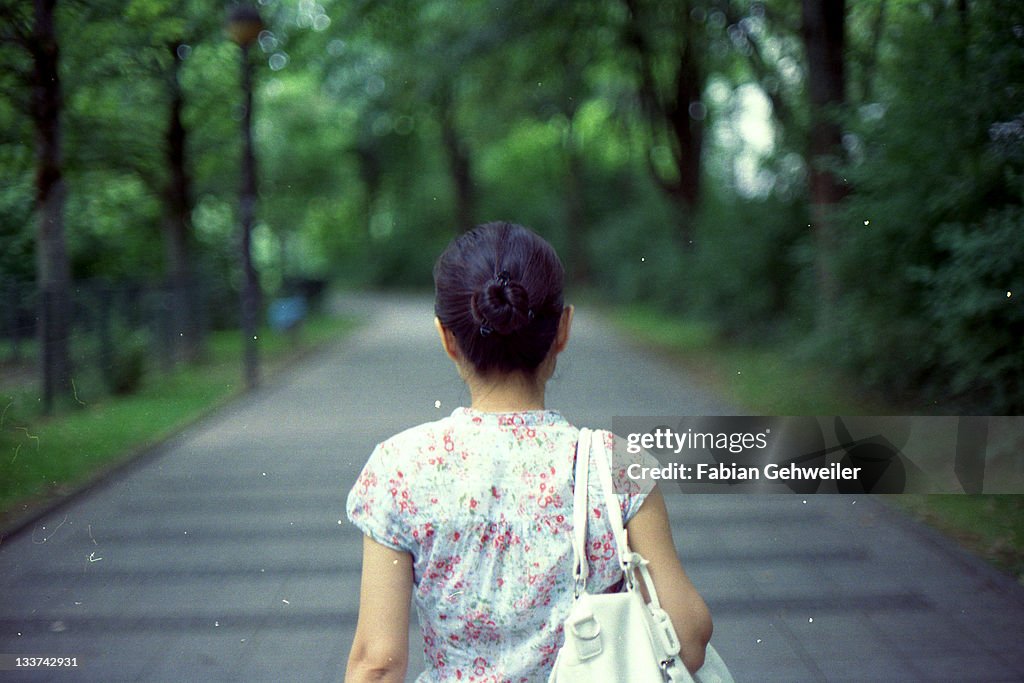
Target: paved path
(223,557)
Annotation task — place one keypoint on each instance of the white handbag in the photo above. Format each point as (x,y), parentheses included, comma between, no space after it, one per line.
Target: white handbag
(612,637)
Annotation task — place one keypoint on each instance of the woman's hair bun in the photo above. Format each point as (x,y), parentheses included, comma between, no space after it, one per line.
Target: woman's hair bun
(502,306)
(498,289)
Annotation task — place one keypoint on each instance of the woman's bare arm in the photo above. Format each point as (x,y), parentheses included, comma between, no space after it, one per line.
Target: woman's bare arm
(380,650)
(650,535)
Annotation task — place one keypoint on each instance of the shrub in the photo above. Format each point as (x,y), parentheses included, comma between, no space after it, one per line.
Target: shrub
(127,366)
(973,300)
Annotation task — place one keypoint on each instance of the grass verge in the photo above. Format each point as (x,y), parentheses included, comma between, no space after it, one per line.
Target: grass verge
(768,380)
(991,526)
(43,458)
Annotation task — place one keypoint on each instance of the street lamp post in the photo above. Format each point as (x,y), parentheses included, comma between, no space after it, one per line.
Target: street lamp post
(244,26)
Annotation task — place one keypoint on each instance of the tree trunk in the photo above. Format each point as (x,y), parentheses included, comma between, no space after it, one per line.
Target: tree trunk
(177,225)
(871,63)
(458,162)
(824,40)
(674,112)
(372,175)
(53,271)
(686,118)
(251,294)
(575,214)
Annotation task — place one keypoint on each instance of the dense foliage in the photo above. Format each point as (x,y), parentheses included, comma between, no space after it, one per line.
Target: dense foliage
(674,152)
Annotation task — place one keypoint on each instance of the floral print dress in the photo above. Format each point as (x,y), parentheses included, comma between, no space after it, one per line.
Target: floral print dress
(483,503)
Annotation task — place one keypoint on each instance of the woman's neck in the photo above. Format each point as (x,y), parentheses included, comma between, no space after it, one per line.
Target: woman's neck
(506,394)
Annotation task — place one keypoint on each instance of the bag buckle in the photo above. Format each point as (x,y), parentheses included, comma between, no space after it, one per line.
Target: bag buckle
(632,561)
(579,583)
(586,632)
(629,564)
(665,632)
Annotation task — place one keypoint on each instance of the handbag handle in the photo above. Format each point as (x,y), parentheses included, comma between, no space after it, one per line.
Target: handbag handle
(580,570)
(611,499)
(590,442)
(629,560)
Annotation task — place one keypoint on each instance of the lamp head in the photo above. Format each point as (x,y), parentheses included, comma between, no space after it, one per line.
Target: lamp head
(244,24)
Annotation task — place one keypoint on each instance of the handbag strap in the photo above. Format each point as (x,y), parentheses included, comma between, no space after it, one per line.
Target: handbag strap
(604,474)
(629,560)
(579,511)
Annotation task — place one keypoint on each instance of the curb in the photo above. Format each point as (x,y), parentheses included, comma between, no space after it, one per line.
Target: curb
(13,524)
(964,558)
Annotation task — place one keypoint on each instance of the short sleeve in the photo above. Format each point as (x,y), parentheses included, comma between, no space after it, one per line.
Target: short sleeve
(379,502)
(632,491)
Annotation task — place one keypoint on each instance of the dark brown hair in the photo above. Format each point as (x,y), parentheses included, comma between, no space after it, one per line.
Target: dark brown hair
(498,289)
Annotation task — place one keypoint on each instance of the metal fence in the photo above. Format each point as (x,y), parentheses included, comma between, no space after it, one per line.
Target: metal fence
(119,330)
